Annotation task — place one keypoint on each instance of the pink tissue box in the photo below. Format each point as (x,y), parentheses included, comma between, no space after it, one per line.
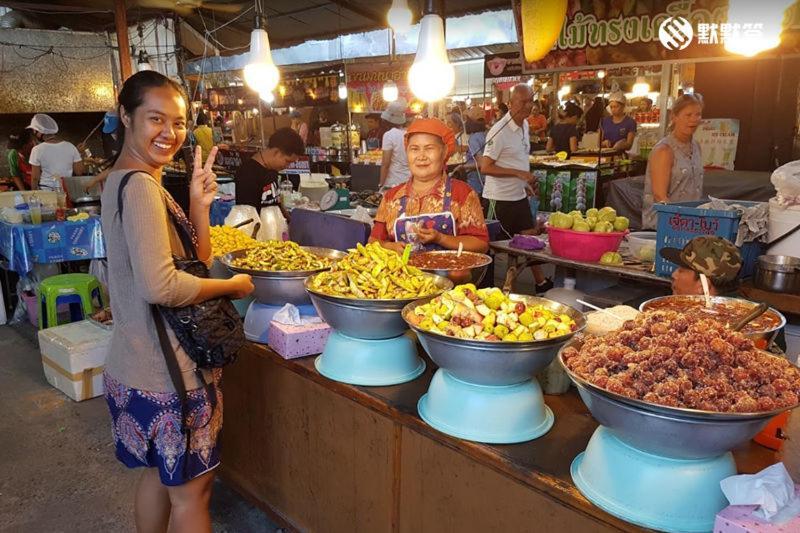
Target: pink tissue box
(739,519)
(298,341)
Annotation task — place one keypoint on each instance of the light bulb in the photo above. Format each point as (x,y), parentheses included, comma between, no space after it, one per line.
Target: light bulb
(342,91)
(431,76)
(640,88)
(601,74)
(143,64)
(260,73)
(267,97)
(468,101)
(399,16)
(530,82)
(751,42)
(390,92)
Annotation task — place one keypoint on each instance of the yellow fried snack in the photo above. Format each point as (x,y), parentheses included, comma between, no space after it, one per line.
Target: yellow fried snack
(488,314)
(280,256)
(372,272)
(225,239)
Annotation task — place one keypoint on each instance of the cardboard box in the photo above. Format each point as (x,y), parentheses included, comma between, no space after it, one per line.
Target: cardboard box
(73,357)
(298,341)
(740,519)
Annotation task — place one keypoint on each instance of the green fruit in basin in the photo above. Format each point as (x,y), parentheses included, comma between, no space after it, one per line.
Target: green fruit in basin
(603,227)
(607,214)
(574,214)
(581,226)
(561,220)
(621,223)
(611,258)
(592,221)
(593,212)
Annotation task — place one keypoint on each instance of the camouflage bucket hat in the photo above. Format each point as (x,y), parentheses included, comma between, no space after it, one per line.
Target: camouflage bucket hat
(715,257)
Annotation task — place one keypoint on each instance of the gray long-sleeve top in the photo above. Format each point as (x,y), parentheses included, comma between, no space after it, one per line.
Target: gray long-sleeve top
(141,272)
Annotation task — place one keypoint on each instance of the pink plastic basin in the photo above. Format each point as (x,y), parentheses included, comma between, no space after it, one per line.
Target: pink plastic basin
(583,245)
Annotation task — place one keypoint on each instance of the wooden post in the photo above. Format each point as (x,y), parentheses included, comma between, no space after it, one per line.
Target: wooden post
(121,23)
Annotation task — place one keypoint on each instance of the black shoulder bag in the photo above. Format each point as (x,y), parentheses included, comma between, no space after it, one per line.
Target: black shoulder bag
(210,332)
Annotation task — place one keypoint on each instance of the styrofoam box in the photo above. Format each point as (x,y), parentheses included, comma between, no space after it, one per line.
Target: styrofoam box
(73,356)
(792,332)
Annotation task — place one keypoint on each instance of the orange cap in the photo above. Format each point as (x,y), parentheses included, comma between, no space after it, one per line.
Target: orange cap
(434,126)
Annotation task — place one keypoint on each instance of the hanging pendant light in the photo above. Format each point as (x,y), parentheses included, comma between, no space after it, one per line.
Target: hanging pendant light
(144,62)
(390,91)
(751,42)
(641,87)
(431,76)
(267,97)
(260,73)
(342,91)
(399,16)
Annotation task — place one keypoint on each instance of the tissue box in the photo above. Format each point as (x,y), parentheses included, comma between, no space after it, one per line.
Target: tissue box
(739,519)
(298,341)
(73,356)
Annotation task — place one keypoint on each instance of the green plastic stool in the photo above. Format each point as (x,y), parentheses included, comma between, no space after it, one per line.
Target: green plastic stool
(76,290)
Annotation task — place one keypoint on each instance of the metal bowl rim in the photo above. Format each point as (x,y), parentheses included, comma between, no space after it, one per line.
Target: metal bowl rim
(720,299)
(678,412)
(441,282)
(516,345)
(334,254)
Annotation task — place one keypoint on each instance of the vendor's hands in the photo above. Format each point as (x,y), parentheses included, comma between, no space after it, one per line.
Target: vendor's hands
(429,236)
(398,247)
(605,144)
(203,187)
(241,286)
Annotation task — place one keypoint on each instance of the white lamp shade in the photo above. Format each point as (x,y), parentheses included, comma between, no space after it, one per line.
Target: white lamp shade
(750,43)
(431,76)
(143,65)
(260,73)
(390,92)
(267,97)
(399,16)
(342,91)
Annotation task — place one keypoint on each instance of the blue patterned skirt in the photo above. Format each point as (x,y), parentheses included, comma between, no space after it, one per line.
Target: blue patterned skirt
(147,430)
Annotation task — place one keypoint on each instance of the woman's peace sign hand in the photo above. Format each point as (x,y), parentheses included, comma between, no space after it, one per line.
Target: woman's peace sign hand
(203,187)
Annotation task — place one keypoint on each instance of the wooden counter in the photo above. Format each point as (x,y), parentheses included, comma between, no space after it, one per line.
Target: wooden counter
(319,455)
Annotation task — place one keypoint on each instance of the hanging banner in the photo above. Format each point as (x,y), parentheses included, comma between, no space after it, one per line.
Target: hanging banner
(502,65)
(365,85)
(718,138)
(611,32)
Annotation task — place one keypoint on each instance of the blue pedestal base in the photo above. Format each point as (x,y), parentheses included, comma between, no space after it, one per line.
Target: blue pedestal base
(258,317)
(370,363)
(650,490)
(491,414)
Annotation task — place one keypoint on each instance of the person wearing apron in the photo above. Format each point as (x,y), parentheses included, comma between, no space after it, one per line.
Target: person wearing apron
(430,211)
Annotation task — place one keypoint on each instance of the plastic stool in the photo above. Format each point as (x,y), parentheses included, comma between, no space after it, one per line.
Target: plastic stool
(76,290)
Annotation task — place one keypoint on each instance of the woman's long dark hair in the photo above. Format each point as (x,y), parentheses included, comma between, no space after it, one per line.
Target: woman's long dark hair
(132,96)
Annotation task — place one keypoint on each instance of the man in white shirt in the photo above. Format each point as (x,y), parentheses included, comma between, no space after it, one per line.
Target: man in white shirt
(506,167)
(394,165)
(52,159)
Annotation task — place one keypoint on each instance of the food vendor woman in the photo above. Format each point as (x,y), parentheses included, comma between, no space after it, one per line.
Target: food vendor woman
(431,210)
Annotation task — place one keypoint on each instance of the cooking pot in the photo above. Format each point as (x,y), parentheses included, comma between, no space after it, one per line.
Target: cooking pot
(778,273)
(87,204)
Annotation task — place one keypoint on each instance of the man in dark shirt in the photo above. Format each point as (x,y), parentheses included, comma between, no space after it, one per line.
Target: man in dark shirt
(257,178)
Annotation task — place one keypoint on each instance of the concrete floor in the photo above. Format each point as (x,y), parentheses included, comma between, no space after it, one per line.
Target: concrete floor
(57,460)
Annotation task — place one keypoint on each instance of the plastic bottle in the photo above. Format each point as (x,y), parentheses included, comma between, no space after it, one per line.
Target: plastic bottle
(553,379)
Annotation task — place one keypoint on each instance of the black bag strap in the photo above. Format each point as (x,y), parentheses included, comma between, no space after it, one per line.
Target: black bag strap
(183,234)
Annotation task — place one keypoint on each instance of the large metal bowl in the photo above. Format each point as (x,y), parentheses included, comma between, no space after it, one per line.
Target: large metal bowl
(365,319)
(668,431)
(767,335)
(495,362)
(279,287)
(470,275)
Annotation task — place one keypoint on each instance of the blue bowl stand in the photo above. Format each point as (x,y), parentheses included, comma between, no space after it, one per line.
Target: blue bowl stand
(675,495)
(493,414)
(370,363)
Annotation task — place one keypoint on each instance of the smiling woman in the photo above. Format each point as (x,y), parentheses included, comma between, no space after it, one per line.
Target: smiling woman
(142,240)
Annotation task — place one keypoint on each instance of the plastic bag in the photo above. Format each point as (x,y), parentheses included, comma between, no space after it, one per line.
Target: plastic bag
(362,215)
(786,180)
(754,221)
(273,225)
(240,213)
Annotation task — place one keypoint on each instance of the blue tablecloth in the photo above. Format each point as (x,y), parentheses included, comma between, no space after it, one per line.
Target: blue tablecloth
(51,242)
(219,210)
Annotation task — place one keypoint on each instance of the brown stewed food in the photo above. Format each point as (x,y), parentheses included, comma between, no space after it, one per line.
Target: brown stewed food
(728,312)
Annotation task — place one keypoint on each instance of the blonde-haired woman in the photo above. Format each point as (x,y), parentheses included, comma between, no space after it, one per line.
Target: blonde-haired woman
(675,168)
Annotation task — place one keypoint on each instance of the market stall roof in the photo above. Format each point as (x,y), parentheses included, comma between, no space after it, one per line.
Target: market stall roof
(230,21)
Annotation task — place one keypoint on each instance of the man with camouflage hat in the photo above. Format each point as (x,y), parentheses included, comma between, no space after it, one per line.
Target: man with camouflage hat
(716,258)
